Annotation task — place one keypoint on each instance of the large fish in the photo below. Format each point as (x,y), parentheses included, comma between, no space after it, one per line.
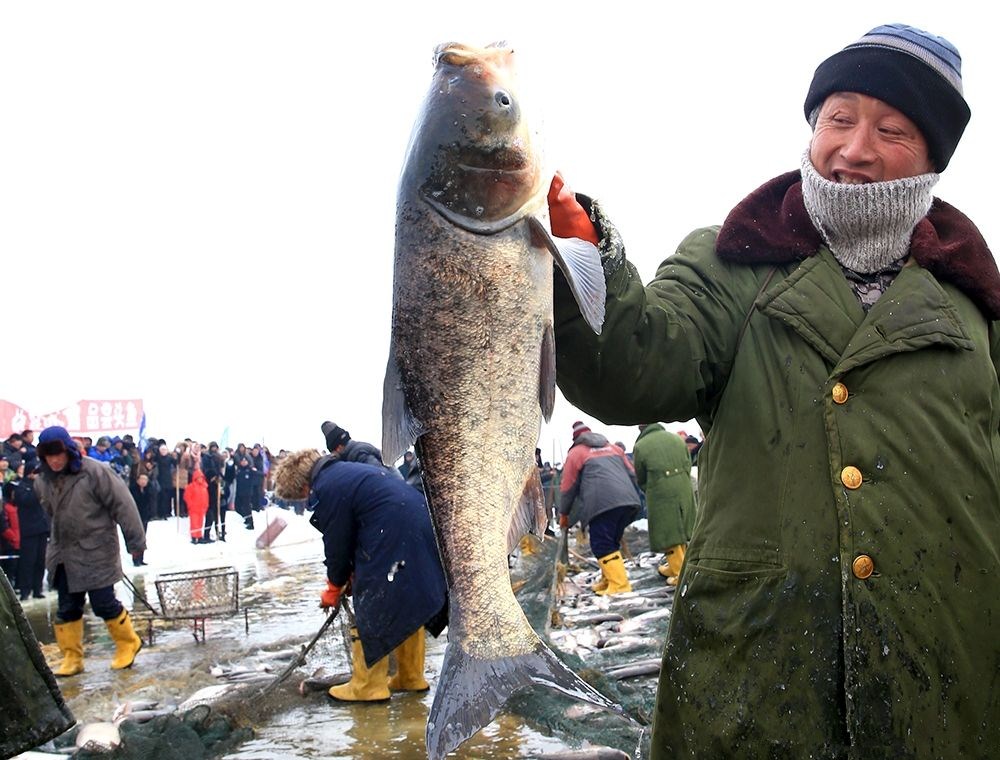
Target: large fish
(471,369)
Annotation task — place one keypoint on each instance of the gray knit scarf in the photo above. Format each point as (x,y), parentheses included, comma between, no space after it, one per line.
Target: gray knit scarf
(867,227)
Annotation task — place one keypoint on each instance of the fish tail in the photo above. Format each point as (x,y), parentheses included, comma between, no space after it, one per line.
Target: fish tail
(471,691)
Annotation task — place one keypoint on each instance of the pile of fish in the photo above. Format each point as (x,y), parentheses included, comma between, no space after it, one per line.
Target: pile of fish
(603,629)
(614,642)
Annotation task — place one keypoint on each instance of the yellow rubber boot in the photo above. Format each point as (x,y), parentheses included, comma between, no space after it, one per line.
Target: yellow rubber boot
(601,586)
(613,568)
(127,642)
(410,664)
(671,569)
(366,684)
(69,637)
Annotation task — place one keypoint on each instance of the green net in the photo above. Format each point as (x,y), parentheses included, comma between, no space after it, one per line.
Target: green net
(539,579)
(198,733)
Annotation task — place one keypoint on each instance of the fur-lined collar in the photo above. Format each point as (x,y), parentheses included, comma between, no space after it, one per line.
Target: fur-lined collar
(772,226)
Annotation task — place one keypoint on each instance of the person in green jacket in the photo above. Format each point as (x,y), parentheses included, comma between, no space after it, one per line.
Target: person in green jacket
(837,341)
(663,471)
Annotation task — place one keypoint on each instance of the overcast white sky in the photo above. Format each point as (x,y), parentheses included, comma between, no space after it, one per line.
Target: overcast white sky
(197,198)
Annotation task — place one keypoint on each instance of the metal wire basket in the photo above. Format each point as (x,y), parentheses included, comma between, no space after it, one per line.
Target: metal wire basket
(199,593)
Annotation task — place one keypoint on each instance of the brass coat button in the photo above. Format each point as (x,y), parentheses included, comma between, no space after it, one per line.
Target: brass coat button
(863,566)
(839,393)
(851,477)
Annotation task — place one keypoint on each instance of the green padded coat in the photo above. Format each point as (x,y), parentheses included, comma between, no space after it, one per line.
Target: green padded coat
(841,594)
(663,471)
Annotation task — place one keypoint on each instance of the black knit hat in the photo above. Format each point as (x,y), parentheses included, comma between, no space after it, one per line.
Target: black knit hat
(335,435)
(915,72)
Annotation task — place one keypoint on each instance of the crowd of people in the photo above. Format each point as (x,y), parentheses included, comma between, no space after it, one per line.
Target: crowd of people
(190,481)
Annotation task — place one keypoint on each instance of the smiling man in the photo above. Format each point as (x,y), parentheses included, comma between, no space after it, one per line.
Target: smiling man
(837,341)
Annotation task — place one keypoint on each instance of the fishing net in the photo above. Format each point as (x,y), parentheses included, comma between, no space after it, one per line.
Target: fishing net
(193,735)
(534,576)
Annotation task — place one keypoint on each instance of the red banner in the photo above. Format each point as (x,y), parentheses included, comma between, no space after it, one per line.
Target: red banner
(84,418)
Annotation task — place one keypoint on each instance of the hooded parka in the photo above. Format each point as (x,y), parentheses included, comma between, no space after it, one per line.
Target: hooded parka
(86,509)
(663,471)
(839,597)
(377,534)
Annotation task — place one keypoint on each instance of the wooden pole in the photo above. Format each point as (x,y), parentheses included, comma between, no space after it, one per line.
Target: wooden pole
(218,506)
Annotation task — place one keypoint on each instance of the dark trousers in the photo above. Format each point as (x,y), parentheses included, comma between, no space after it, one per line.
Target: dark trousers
(163,502)
(212,516)
(31,568)
(606,530)
(103,601)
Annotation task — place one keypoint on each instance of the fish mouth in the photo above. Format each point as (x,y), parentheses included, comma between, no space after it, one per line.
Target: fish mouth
(494,170)
(507,159)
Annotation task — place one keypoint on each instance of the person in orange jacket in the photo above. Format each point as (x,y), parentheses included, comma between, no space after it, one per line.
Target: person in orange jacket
(196,498)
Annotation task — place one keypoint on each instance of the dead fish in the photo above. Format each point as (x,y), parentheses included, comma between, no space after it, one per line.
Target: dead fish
(659,592)
(471,369)
(321,680)
(586,639)
(98,737)
(644,620)
(580,710)
(245,678)
(627,643)
(144,716)
(207,695)
(132,706)
(592,619)
(635,669)
(281,655)
(590,753)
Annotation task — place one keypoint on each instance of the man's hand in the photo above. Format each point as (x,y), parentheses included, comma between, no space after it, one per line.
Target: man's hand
(564,522)
(566,216)
(330,596)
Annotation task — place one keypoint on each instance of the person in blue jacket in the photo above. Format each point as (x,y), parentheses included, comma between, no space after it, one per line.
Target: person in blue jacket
(379,546)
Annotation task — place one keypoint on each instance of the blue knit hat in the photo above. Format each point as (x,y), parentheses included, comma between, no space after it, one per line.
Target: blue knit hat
(915,72)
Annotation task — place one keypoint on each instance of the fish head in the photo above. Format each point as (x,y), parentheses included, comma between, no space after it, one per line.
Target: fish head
(472,156)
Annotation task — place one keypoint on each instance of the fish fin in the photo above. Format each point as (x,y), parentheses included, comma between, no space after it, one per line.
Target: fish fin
(580,262)
(547,373)
(472,691)
(399,429)
(529,517)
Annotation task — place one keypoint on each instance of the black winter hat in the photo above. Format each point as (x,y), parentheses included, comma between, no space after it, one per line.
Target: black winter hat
(335,436)
(915,72)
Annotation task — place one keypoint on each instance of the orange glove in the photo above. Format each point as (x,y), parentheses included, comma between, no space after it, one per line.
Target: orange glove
(567,217)
(564,522)
(330,596)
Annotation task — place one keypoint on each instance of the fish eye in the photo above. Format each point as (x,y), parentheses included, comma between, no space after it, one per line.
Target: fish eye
(502,99)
